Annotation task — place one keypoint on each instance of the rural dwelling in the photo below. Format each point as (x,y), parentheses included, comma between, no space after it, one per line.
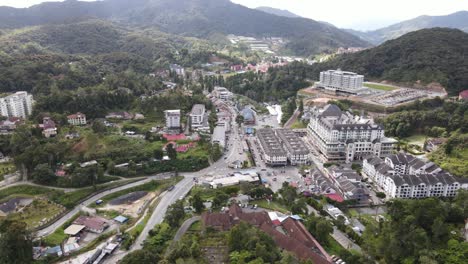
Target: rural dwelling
(77,119)
(48,127)
(92,224)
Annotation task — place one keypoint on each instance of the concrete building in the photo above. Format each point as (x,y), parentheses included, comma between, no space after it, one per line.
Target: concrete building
(249,116)
(219,136)
(16,105)
(341,136)
(341,81)
(177,69)
(297,152)
(222,93)
(77,119)
(197,115)
(273,152)
(405,176)
(172,119)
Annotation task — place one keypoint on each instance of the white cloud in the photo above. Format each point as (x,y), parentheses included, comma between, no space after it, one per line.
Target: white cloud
(362,14)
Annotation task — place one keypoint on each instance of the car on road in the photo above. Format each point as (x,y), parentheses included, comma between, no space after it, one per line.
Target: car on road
(171,188)
(274,179)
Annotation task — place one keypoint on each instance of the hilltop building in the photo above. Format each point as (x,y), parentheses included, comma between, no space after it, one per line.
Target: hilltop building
(222,93)
(405,176)
(172,119)
(341,81)
(77,119)
(18,104)
(341,136)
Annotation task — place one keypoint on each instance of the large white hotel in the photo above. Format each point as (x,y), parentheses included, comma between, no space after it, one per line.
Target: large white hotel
(341,81)
(342,136)
(18,104)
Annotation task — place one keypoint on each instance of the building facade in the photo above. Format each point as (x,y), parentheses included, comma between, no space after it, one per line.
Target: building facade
(405,176)
(18,104)
(341,81)
(172,119)
(341,136)
(222,93)
(77,119)
(272,149)
(197,116)
(297,152)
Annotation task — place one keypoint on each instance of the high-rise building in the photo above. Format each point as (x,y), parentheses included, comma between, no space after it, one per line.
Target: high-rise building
(341,81)
(172,119)
(342,136)
(197,115)
(18,104)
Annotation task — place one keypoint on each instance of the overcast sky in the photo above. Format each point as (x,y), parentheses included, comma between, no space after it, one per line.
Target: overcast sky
(356,14)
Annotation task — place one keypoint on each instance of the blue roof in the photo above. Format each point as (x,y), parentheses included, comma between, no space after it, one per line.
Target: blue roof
(121,219)
(54,250)
(248,114)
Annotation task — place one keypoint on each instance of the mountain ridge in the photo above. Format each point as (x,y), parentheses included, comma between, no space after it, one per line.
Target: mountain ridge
(277,11)
(195,18)
(458,20)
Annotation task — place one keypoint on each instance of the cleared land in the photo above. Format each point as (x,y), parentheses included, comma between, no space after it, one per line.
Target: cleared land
(37,213)
(382,87)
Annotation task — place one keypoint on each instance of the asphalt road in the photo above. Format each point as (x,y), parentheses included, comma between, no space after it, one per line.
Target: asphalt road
(50,229)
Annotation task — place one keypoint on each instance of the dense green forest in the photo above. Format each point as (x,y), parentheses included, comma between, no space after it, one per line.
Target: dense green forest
(420,231)
(428,55)
(278,85)
(198,18)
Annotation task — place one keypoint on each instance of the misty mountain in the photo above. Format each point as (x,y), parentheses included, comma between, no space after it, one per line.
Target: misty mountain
(196,18)
(425,56)
(458,20)
(277,12)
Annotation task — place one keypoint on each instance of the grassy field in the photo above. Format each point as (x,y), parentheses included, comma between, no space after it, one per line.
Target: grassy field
(271,206)
(382,87)
(298,124)
(415,140)
(24,190)
(58,236)
(6,168)
(37,211)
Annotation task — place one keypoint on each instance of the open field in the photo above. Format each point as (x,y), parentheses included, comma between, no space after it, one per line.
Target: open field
(415,140)
(37,213)
(382,87)
(274,206)
(6,168)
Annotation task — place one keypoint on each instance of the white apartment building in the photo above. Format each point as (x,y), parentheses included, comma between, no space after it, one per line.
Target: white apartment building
(172,118)
(197,116)
(342,81)
(77,119)
(297,152)
(273,152)
(342,136)
(405,176)
(18,104)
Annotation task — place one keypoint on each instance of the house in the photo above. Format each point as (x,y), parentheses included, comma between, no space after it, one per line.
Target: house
(77,119)
(88,163)
(92,224)
(74,229)
(10,124)
(287,232)
(121,219)
(463,95)
(48,127)
(237,67)
(177,69)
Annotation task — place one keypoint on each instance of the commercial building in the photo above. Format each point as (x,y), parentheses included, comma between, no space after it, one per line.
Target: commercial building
(297,152)
(341,81)
(172,119)
(16,105)
(219,136)
(197,115)
(342,136)
(77,119)
(405,176)
(272,149)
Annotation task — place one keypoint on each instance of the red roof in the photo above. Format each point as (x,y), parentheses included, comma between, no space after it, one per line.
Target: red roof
(77,115)
(335,197)
(464,94)
(171,137)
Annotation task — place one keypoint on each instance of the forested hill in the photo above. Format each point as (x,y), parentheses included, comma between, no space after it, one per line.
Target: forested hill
(198,18)
(428,55)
